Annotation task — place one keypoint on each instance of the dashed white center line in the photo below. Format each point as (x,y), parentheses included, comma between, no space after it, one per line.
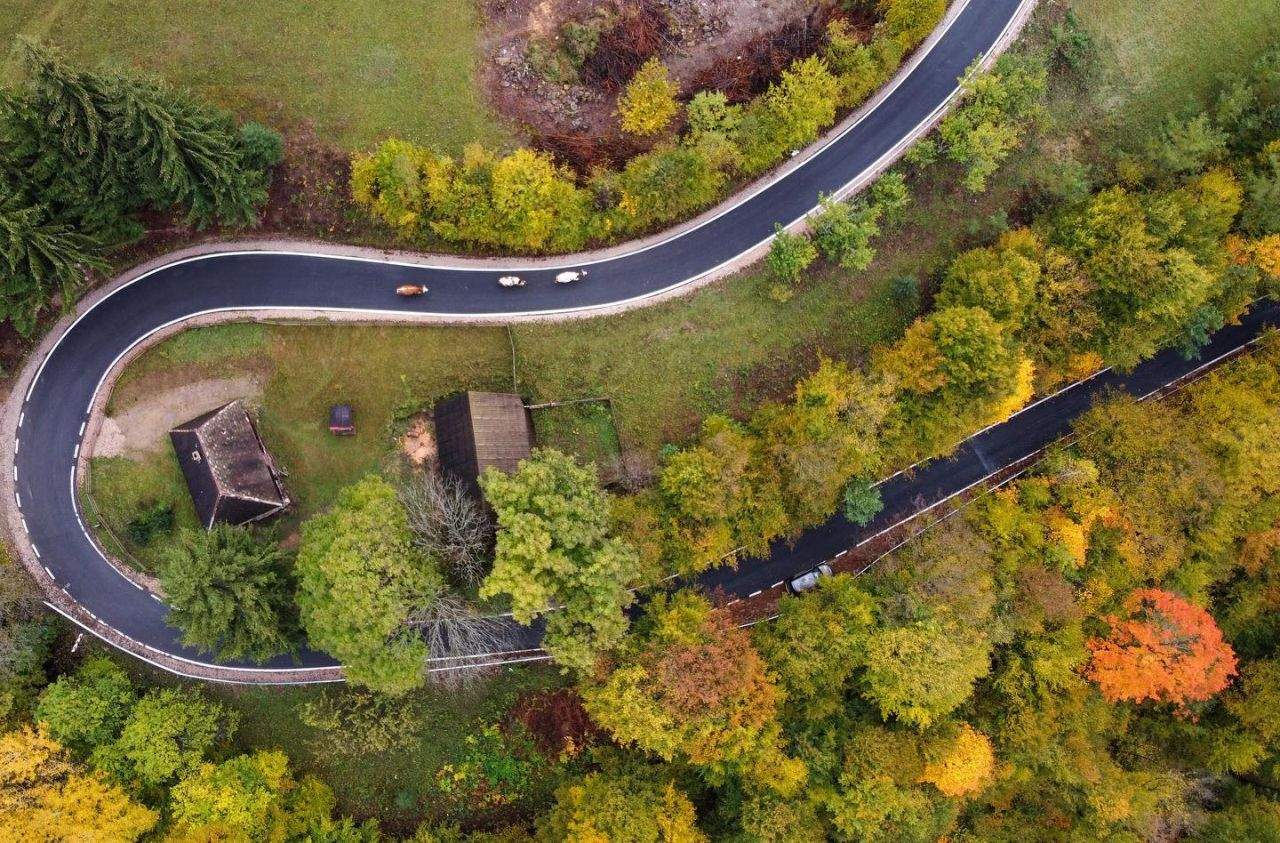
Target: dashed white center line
(75,455)
(82,424)
(775,585)
(754,593)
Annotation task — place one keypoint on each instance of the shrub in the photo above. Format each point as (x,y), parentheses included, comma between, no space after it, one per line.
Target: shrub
(790,255)
(358,722)
(905,289)
(149,523)
(843,232)
(262,148)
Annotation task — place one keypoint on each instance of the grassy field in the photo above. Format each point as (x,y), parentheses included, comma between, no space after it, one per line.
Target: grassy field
(358,70)
(1156,56)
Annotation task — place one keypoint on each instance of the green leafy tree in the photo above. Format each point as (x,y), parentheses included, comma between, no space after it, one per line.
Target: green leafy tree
(862,501)
(997,109)
(827,433)
(229,593)
(639,805)
(816,644)
(87,709)
(166,737)
(1002,279)
(710,113)
(253,797)
(859,68)
(648,104)
(921,672)
(520,201)
(720,498)
(360,580)
(555,556)
(844,232)
(663,185)
(789,115)
(790,255)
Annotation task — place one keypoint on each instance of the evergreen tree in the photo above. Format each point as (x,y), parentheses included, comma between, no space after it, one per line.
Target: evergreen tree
(229,594)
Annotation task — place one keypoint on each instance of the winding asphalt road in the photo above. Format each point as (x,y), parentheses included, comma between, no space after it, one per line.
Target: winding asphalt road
(54,414)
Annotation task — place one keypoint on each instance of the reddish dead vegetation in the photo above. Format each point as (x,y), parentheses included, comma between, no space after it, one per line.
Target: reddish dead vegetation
(762,60)
(585,153)
(639,33)
(556,721)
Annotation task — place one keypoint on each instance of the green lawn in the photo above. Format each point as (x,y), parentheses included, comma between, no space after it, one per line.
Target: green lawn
(1156,56)
(359,70)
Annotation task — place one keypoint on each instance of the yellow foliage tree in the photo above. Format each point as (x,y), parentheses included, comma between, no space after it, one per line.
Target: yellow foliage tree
(46,797)
(966,767)
(649,103)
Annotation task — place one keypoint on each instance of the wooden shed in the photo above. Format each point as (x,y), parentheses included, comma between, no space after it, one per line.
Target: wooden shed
(475,430)
(229,473)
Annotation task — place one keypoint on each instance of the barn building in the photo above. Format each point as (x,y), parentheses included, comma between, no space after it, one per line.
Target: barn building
(475,430)
(229,473)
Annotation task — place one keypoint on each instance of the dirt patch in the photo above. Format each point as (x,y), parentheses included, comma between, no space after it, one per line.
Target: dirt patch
(143,428)
(419,442)
(555,67)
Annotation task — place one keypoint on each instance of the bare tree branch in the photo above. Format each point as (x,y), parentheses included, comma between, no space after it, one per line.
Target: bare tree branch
(458,638)
(448,524)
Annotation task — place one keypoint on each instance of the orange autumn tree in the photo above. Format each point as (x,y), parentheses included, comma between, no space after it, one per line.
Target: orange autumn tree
(1165,649)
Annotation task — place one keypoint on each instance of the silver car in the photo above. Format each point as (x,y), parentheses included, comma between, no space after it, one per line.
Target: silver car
(809,579)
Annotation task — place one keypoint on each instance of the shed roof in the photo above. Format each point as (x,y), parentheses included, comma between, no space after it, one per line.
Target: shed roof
(475,430)
(229,473)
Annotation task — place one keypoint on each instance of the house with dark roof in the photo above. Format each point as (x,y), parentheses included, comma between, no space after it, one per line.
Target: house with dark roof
(229,473)
(475,430)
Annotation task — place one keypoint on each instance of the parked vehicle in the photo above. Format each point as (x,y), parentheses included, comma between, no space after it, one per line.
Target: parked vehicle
(342,420)
(511,281)
(809,579)
(410,290)
(570,275)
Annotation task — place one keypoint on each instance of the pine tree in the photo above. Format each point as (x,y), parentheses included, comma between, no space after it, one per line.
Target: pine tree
(231,595)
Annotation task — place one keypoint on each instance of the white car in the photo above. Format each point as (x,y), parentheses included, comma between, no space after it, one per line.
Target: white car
(511,281)
(570,275)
